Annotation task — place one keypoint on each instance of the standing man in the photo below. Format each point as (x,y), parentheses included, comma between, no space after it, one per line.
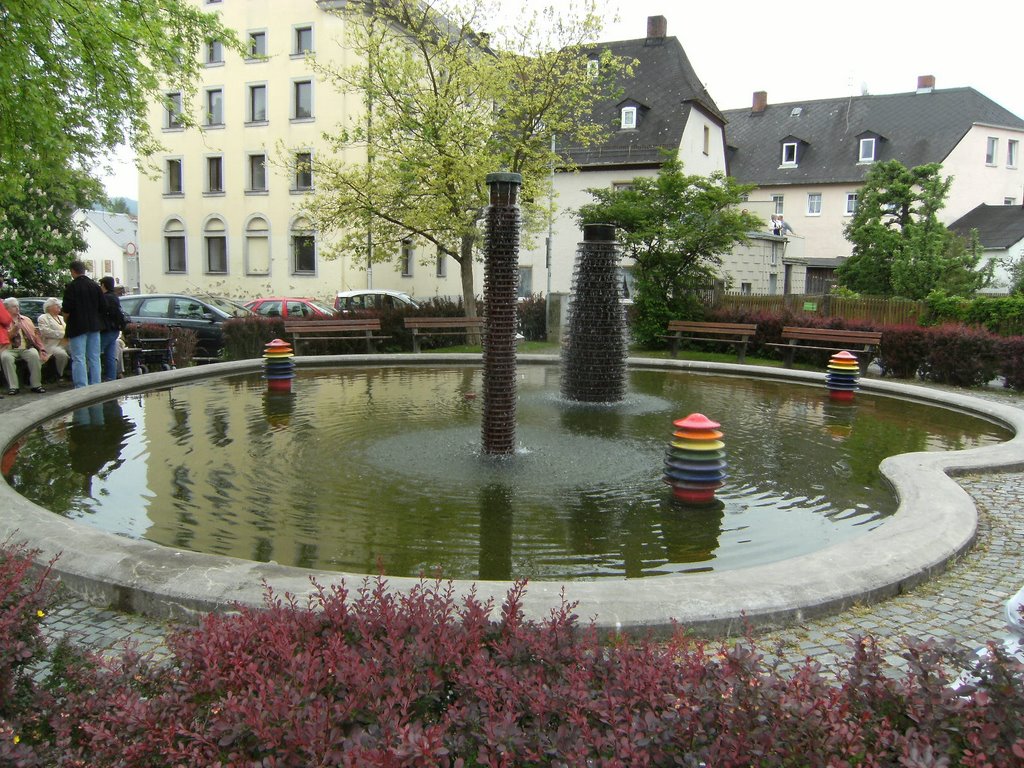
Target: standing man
(83,309)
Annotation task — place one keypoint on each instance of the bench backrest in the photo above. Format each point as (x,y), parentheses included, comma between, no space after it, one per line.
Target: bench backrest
(443,322)
(691,326)
(318,326)
(832,334)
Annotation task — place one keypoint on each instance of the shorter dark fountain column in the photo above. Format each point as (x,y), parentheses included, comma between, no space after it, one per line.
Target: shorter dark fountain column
(594,351)
(501,280)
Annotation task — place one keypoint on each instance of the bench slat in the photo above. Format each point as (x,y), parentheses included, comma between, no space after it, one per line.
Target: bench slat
(310,330)
(441,326)
(736,333)
(840,339)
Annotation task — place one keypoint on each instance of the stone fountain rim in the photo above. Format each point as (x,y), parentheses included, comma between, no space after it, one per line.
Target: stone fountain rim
(936,522)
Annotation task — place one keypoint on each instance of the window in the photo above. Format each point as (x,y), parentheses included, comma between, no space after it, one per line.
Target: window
(593,68)
(257,104)
(215,107)
(303,171)
(303,41)
(174,246)
(257,246)
(303,248)
(745,288)
(257,173)
(1012,148)
(172,177)
(406,257)
(442,266)
(1009,201)
(779,201)
(214,52)
(525,288)
(215,174)
(789,153)
(707,140)
(621,186)
(173,104)
(628,118)
(851,203)
(814,204)
(302,107)
(867,151)
(257,44)
(216,247)
(991,150)
(108,266)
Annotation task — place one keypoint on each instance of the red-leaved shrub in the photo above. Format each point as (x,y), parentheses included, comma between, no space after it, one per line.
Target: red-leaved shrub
(961,356)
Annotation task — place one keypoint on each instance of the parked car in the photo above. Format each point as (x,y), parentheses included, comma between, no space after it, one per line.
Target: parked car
(290,307)
(204,315)
(31,306)
(372,301)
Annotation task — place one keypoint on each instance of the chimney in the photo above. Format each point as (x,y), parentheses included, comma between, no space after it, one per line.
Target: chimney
(925,83)
(657,28)
(760,101)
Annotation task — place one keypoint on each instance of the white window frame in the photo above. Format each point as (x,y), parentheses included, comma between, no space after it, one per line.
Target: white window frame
(406,257)
(1009,201)
(297,32)
(173,111)
(814,203)
(214,110)
(789,151)
(441,269)
(256,173)
(303,158)
(169,188)
(303,83)
(294,236)
(257,229)
(1012,152)
(593,68)
(174,231)
(707,140)
(215,233)
(215,162)
(629,118)
(991,150)
(254,53)
(867,151)
(252,117)
(852,199)
(214,53)
(780,203)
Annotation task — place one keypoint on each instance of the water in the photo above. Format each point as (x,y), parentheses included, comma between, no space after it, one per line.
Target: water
(369,470)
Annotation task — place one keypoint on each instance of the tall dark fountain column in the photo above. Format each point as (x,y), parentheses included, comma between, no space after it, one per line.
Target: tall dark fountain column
(501,279)
(594,350)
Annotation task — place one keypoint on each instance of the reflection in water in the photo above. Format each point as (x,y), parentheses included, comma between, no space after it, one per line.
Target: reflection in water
(356,469)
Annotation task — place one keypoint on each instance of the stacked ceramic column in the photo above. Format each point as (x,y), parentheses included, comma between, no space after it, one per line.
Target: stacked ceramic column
(842,376)
(279,368)
(695,460)
(594,350)
(501,280)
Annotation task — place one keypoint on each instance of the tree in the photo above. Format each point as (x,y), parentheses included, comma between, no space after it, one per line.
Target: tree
(445,106)
(676,228)
(76,79)
(900,248)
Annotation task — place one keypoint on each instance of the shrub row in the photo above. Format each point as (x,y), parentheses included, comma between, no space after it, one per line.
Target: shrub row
(246,337)
(422,679)
(946,354)
(998,314)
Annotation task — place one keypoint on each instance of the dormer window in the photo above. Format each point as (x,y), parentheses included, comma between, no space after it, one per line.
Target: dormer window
(789,153)
(593,68)
(628,118)
(867,151)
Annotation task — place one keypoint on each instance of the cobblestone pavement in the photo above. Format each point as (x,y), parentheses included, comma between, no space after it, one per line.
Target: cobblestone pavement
(966,603)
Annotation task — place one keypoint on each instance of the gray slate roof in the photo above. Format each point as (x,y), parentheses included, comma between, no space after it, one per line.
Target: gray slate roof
(119,227)
(665,88)
(915,128)
(999,226)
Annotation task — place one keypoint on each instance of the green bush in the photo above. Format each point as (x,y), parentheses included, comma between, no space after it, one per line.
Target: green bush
(246,337)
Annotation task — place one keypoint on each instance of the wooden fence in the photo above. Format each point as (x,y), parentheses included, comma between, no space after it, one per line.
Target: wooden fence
(876,310)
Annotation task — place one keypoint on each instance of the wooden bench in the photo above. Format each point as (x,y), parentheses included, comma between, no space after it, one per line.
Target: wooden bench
(862,343)
(736,333)
(329,330)
(441,326)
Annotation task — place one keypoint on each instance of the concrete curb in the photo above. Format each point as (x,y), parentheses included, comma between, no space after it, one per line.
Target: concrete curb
(936,521)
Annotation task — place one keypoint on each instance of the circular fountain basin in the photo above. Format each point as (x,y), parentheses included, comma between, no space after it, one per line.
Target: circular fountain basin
(934,522)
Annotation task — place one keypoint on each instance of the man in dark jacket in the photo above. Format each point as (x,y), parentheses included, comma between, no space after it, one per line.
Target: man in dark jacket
(83,308)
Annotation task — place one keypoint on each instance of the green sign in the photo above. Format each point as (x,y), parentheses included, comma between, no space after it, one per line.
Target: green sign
(810,306)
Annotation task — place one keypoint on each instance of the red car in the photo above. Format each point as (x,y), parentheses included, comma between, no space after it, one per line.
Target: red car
(290,308)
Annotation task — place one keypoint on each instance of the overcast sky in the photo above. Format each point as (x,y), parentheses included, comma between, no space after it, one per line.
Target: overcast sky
(796,51)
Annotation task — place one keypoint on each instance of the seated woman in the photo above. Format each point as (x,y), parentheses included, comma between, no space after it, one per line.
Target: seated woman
(51,330)
(24,344)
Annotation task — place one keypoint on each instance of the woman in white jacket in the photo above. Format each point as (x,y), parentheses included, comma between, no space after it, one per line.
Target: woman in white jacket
(50,325)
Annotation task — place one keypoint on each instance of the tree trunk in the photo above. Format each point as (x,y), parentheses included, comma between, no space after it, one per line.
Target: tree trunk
(468,292)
